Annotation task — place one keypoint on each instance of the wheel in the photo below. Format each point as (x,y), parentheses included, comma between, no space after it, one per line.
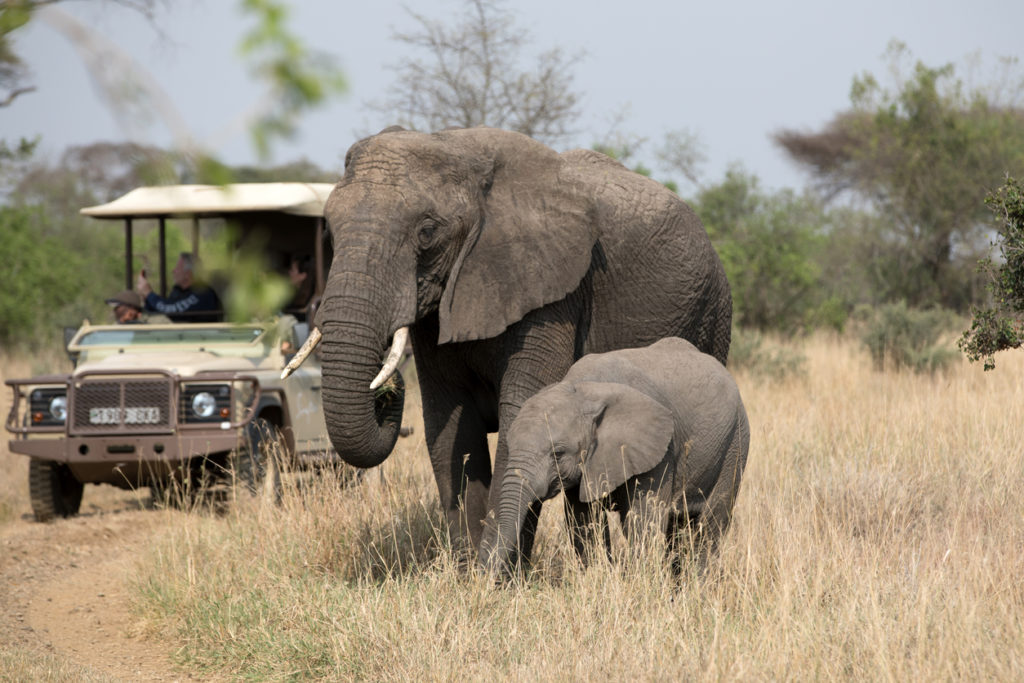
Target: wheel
(255,464)
(53,490)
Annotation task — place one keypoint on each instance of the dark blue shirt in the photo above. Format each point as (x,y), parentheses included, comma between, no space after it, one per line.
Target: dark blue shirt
(192,305)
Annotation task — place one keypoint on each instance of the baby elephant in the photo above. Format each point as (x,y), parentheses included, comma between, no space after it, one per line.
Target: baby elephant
(659,433)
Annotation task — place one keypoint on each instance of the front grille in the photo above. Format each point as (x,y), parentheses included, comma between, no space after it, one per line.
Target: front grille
(121,405)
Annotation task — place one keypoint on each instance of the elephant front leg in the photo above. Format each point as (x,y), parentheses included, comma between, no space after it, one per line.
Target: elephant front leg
(646,509)
(456,439)
(455,430)
(647,520)
(586,522)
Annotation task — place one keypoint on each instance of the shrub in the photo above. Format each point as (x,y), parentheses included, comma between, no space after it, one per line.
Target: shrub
(751,352)
(898,336)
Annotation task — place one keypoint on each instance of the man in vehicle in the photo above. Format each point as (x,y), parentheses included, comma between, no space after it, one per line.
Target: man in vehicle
(127,307)
(300,274)
(189,300)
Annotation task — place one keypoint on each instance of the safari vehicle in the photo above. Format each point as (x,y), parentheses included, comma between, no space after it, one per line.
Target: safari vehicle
(181,403)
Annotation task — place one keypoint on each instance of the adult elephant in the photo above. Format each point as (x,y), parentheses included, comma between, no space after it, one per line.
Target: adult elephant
(506,262)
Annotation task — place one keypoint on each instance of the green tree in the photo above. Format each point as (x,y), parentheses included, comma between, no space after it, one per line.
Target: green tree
(923,154)
(860,260)
(769,243)
(91,174)
(13,161)
(48,283)
(999,325)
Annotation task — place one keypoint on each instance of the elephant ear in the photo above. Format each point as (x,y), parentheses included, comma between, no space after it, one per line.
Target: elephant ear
(633,433)
(531,247)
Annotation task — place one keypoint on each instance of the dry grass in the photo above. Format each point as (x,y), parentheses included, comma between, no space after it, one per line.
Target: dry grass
(878,535)
(30,665)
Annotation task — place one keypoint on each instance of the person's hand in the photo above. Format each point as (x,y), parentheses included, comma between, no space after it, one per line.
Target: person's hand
(142,284)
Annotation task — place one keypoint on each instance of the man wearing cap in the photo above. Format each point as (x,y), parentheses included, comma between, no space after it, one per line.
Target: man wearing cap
(127,307)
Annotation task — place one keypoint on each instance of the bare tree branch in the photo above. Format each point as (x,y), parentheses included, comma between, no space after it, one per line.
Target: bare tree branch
(14,94)
(470,75)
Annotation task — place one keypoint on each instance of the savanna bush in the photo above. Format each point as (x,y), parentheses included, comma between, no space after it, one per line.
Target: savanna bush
(754,353)
(898,336)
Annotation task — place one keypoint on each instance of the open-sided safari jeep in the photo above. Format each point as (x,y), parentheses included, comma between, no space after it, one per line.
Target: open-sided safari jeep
(173,406)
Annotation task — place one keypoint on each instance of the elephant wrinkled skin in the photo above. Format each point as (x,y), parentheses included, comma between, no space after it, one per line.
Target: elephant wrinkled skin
(658,434)
(507,262)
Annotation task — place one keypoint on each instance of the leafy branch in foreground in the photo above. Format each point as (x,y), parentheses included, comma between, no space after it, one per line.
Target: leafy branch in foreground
(1000,325)
(300,79)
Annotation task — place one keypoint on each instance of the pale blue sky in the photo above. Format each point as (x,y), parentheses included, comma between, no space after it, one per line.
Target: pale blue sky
(731,72)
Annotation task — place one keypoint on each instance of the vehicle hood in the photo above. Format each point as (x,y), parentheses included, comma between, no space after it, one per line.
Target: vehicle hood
(182,363)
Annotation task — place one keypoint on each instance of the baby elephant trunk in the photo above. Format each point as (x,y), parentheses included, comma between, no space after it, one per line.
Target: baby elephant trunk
(519,491)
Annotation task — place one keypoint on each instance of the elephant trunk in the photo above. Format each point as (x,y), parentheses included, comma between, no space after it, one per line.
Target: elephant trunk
(520,489)
(363,423)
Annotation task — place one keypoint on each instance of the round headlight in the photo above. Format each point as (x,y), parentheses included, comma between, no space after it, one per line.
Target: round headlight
(204,404)
(59,408)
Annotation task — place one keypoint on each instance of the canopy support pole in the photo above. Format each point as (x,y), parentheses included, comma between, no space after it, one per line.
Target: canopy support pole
(163,256)
(128,260)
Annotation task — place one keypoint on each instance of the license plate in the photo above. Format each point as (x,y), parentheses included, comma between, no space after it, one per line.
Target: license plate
(132,416)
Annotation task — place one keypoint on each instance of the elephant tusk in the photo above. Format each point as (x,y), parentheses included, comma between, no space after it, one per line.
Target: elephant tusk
(395,355)
(311,342)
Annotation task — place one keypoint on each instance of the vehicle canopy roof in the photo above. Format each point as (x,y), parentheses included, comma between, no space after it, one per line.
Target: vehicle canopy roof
(289,216)
(300,199)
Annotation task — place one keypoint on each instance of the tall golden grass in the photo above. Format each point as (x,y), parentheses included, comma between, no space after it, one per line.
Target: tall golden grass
(878,536)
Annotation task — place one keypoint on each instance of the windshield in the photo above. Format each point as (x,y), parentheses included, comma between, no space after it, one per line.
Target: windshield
(136,335)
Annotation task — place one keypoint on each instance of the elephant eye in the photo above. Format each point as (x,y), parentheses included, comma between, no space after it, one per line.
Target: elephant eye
(425,234)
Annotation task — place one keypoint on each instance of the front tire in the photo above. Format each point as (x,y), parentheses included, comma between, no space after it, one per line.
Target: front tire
(53,490)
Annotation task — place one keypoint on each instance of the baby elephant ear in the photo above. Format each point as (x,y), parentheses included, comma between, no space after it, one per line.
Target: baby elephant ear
(632,437)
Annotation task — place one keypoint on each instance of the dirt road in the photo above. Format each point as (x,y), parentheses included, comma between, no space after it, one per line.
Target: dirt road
(64,592)
(64,585)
